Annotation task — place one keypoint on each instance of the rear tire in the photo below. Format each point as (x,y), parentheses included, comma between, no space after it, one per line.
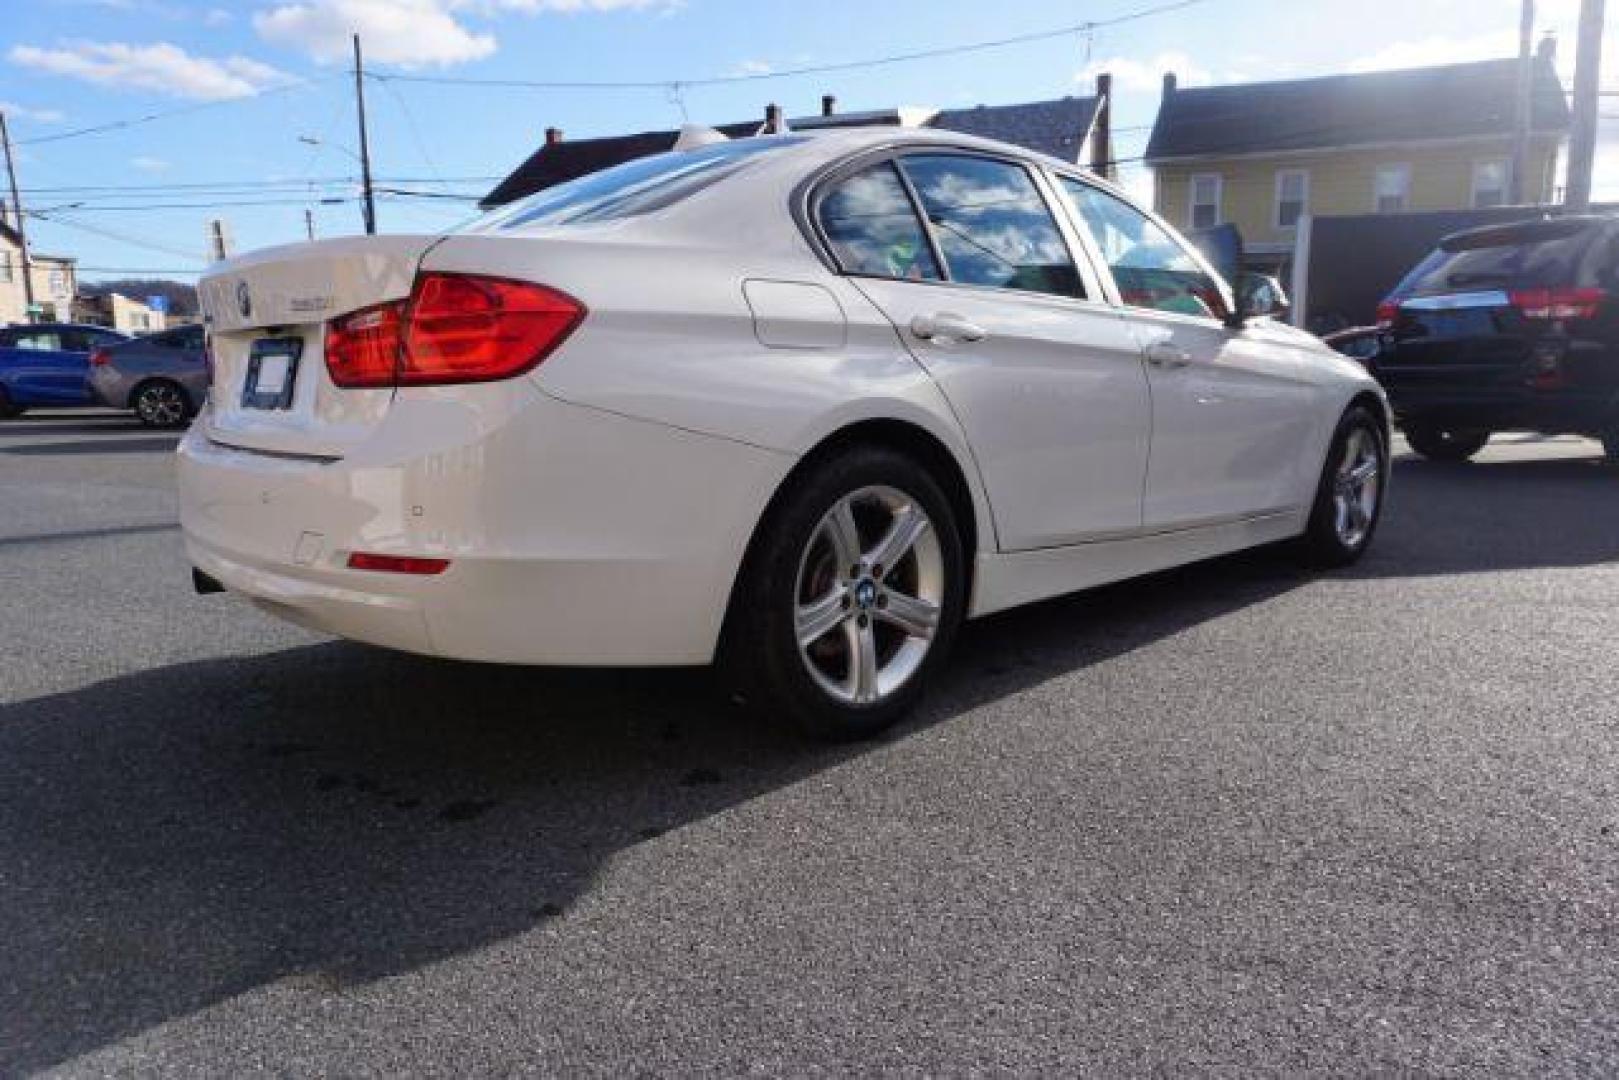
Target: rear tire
(850,597)
(1445,444)
(1349,499)
(161,403)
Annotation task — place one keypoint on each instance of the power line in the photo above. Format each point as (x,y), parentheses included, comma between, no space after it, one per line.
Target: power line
(812,69)
(183,110)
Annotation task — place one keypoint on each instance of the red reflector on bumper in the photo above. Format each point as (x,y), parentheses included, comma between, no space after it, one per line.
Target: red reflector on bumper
(396,564)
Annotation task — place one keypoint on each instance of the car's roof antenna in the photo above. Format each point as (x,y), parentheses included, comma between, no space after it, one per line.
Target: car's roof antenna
(694,135)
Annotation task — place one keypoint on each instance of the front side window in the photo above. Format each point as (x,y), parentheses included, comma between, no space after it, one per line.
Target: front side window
(1489,184)
(992,225)
(1292,197)
(1151,268)
(873,228)
(1205,201)
(1391,189)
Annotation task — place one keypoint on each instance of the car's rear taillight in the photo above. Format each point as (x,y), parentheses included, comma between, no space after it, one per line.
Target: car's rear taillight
(455,328)
(98,357)
(1387,313)
(362,347)
(1558,303)
(464,328)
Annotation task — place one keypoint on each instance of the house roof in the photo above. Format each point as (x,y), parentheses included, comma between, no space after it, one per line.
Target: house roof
(9,234)
(1418,105)
(1057,128)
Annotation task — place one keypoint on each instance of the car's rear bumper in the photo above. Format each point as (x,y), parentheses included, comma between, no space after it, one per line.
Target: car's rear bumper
(574,536)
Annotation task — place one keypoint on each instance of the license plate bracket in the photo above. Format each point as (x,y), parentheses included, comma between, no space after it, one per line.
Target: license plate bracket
(272,370)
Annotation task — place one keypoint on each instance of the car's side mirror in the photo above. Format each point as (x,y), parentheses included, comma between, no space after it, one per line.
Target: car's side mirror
(1259,295)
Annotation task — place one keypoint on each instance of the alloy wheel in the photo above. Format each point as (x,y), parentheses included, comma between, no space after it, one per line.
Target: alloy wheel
(160,405)
(869,594)
(1357,487)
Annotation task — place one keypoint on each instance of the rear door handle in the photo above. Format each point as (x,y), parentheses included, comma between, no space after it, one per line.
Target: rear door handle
(945,326)
(1167,356)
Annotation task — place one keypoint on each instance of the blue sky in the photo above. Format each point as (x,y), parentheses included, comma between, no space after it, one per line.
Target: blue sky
(254,76)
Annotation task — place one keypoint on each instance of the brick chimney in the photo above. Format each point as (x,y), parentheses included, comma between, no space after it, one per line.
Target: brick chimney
(1170,82)
(775,121)
(1547,52)
(829,104)
(553,136)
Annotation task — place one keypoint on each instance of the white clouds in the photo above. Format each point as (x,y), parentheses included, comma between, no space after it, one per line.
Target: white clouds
(216,17)
(1434,51)
(149,164)
(1141,77)
(753,67)
(410,33)
(39,116)
(161,67)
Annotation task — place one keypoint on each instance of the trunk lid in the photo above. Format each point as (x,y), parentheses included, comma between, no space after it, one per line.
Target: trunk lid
(267,314)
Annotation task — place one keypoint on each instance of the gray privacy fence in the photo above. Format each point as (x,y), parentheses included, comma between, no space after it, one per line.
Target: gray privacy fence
(1344,266)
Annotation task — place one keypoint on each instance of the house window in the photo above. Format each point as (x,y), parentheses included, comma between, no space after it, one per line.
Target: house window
(1489,183)
(5,266)
(1205,213)
(1391,190)
(1292,197)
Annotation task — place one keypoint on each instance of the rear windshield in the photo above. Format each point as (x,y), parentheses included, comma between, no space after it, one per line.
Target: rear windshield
(1542,254)
(635,187)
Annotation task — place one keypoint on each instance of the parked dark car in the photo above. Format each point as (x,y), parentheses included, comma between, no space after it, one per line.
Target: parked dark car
(1508,327)
(48,364)
(1358,343)
(163,377)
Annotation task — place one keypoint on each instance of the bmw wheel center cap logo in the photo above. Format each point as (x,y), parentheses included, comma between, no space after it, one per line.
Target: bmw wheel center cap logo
(244,299)
(865,594)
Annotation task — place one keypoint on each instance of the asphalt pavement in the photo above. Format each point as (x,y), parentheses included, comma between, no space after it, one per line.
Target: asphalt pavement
(1232,819)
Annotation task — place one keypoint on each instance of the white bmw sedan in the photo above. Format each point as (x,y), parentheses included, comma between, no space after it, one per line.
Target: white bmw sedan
(797,403)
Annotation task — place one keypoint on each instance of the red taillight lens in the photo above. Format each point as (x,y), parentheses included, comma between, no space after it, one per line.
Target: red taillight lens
(456,328)
(1558,303)
(1387,312)
(99,357)
(397,564)
(362,348)
(464,328)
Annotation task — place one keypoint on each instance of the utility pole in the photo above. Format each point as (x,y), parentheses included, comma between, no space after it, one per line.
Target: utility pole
(1587,75)
(309,222)
(369,207)
(1523,111)
(22,229)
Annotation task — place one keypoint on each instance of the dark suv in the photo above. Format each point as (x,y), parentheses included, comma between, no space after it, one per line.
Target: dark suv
(1509,327)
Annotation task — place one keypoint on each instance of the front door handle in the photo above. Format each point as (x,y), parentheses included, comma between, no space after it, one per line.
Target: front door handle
(945,326)
(1162,355)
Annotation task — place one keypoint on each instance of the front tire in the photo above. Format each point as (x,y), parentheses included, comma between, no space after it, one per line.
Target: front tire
(1445,444)
(1349,499)
(851,596)
(161,403)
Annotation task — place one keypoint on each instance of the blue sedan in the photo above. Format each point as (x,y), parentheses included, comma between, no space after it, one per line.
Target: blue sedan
(48,364)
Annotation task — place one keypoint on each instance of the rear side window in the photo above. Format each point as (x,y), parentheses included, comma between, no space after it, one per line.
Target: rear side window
(873,229)
(1541,254)
(992,224)
(185,337)
(633,188)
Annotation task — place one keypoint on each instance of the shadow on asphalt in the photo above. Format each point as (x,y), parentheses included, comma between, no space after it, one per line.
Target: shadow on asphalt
(151,444)
(324,816)
(1481,517)
(334,814)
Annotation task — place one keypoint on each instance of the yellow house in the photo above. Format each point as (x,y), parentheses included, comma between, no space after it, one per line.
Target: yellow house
(1261,156)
